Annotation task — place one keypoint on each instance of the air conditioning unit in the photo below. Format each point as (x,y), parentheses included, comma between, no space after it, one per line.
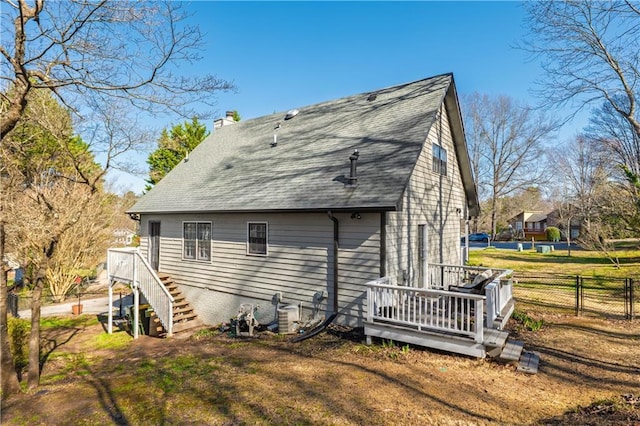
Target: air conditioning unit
(288,317)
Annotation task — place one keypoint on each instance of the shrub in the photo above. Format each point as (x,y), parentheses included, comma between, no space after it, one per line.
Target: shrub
(553,234)
(18,330)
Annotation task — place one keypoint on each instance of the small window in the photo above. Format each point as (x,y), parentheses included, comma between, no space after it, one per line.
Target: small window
(257,238)
(439,160)
(196,240)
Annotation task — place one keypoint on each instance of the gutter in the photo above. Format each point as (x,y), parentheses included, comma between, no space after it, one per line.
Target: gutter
(334,314)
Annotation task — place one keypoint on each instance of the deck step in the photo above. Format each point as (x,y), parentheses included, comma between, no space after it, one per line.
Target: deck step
(529,362)
(495,338)
(184,317)
(187,325)
(186,308)
(511,351)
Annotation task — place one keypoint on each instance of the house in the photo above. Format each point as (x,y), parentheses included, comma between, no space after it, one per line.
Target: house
(123,236)
(340,209)
(563,222)
(529,224)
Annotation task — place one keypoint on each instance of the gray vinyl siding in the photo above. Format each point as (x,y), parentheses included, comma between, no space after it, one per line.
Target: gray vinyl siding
(299,264)
(431,199)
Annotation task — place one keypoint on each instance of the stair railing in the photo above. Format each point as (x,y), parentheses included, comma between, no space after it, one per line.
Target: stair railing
(129,266)
(155,292)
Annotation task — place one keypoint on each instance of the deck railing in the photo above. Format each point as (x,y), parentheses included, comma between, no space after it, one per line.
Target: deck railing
(426,309)
(498,293)
(127,265)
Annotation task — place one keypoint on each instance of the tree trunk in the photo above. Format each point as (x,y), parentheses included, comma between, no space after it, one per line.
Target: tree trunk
(8,375)
(494,216)
(33,378)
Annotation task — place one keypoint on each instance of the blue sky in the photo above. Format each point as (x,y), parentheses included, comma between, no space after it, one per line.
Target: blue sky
(283,55)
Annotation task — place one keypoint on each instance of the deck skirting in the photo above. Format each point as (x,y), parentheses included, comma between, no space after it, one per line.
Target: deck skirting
(428,339)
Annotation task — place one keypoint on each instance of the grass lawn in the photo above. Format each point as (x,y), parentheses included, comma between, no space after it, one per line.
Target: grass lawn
(90,378)
(581,262)
(589,372)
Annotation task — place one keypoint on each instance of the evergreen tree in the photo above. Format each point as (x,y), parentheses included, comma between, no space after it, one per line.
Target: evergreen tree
(173,147)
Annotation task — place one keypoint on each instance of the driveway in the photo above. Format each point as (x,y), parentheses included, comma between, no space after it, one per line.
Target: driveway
(95,306)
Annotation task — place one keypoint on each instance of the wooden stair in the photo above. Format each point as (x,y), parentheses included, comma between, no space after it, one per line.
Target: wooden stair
(184,318)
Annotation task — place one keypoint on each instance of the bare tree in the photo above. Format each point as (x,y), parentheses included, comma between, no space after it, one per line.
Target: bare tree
(83,246)
(615,134)
(46,166)
(591,195)
(98,50)
(8,378)
(589,51)
(97,57)
(508,140)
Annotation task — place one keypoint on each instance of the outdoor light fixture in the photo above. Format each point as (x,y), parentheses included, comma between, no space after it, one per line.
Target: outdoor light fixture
(356,215)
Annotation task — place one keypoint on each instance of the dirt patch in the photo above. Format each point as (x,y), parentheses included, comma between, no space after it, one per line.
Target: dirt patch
(589,374)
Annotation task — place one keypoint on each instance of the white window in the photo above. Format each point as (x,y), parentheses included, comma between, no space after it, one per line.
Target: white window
(439,164)
(196,240)
(518,226)
(257,238)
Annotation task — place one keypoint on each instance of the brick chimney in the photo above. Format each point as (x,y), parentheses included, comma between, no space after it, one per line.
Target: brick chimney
(224,121)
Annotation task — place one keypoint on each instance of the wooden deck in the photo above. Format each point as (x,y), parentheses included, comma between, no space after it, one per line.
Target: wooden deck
(441,317)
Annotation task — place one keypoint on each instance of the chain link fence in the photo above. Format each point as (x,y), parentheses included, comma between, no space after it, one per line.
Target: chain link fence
(614,298)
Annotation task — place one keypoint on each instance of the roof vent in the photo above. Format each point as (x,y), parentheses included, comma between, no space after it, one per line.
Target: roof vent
(353,176)
(290,114)
(372,97)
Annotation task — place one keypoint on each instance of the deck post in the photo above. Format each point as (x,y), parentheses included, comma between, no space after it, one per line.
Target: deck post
(479,322)
(491,304)
(370,304)
(170,319)
(136,300)
(110,324)
(136,312)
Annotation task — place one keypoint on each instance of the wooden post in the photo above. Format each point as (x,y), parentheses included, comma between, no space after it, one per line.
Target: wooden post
(136,312)
(136,300)
(110,313)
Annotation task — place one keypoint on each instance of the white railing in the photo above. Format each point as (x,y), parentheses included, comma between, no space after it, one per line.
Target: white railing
(498,293)
(443,276)
(127,265)
(426,309)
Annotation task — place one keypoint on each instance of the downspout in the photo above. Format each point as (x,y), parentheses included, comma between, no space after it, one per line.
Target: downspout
(336,248)
(329,320)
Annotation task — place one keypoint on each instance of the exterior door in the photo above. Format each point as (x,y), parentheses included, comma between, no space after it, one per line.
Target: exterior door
(422,256)
(154,244)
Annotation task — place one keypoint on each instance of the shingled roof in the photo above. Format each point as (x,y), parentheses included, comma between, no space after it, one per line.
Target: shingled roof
(236,169)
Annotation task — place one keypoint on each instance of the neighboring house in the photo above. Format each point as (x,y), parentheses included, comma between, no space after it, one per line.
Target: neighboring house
(529,224)
(123,237)
(14,269)
(554,218)
(308,206)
